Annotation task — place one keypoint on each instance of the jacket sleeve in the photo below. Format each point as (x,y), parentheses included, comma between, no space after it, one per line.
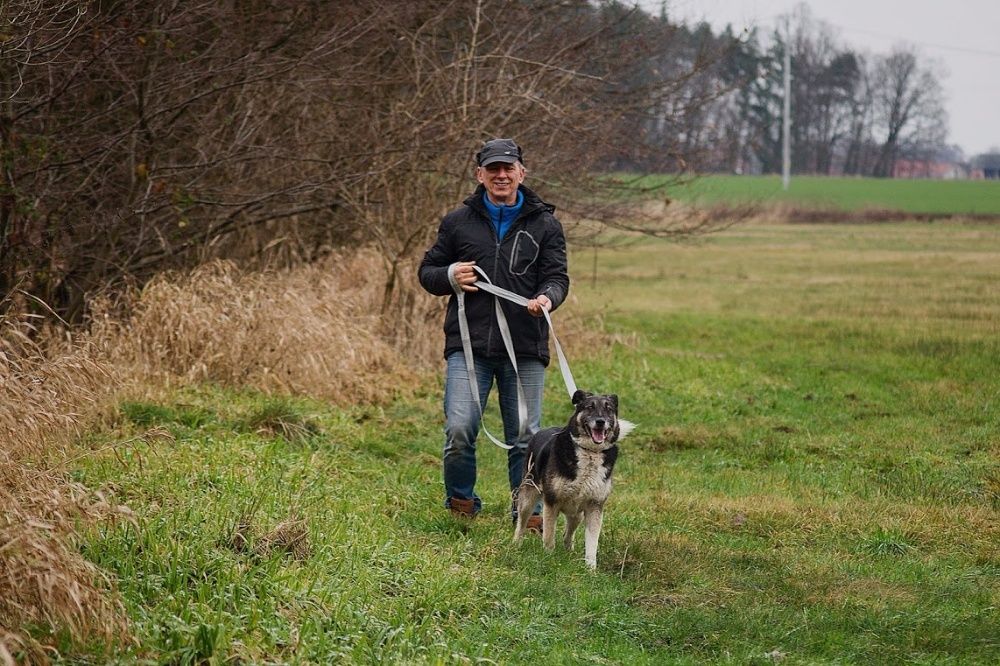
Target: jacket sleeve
(433,271)
(552,268)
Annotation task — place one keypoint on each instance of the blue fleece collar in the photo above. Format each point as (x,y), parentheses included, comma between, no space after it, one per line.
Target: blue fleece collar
(503,216)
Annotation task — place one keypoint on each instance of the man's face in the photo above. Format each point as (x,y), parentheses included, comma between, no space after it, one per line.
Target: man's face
(501,180)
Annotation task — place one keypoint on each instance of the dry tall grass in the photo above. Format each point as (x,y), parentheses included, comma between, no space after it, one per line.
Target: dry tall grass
(313,330)
(46,397)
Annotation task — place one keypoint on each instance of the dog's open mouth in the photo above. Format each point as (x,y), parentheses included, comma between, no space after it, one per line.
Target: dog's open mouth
(598,435)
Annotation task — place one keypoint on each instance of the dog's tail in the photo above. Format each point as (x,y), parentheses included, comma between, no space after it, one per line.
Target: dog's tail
(624,428)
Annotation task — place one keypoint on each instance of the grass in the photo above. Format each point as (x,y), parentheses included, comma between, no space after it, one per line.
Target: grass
(814,479)
(942,197)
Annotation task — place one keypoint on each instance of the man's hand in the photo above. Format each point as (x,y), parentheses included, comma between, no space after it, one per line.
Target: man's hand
(536,305)
(465,276)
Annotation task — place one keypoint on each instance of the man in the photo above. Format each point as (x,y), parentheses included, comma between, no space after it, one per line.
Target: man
(506,230)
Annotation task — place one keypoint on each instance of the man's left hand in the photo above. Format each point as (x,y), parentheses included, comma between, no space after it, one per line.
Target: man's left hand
(536,304)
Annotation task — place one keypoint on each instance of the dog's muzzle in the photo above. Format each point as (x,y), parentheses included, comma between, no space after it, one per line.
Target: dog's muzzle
(598,430)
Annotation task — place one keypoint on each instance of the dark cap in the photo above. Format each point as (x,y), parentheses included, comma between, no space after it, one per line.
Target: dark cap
(499,150)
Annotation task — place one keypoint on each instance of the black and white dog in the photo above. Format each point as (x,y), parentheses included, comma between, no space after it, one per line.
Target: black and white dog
(570,468)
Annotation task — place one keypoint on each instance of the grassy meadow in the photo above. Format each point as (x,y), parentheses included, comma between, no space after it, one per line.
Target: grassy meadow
(918,196)
(814,479)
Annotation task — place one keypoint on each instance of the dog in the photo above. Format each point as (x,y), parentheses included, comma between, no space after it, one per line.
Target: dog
(570,469)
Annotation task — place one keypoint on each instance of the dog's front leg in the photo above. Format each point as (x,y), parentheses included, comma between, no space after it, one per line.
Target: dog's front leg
(594,518)
(549,514)
(572,521)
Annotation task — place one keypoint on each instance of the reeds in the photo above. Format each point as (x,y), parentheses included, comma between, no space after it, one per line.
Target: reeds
(314,330)
(47,395)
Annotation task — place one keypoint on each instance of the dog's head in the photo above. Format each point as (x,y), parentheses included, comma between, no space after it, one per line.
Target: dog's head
(595,424)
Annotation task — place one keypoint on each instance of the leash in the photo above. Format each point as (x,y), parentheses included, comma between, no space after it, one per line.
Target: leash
(470,367)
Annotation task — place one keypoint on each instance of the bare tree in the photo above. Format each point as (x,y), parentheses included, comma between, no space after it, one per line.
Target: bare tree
(34,35)
(858,158)
(824,82)
(124,141)
(907,97)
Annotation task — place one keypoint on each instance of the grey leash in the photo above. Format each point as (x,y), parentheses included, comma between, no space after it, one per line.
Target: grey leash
(470,367)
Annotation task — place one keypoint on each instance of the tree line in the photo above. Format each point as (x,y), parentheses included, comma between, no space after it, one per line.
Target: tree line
(852,113)
(138,136)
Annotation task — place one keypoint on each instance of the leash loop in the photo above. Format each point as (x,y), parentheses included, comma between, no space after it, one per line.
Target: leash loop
(470,366)
(463,325)
(500,292)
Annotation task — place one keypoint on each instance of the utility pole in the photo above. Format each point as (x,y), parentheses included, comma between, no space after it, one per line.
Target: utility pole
(786,120)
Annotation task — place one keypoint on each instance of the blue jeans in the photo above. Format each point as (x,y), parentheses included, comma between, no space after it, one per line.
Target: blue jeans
(462,419)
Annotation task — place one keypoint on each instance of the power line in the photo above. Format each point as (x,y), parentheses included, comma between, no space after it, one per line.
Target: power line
(896,38)
(946,47)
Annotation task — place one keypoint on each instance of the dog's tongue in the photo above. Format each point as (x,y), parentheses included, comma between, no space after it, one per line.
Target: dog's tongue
(597,436)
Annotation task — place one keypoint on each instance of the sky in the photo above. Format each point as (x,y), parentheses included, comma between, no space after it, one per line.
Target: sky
(963,36)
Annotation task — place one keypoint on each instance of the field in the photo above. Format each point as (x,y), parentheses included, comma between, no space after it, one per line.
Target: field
(814,479)
(930,197)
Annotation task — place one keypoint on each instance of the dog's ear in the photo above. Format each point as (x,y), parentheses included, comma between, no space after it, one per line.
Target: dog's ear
(614,401)
(580,396)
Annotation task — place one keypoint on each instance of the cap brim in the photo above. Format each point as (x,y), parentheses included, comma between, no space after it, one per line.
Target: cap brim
(508,159)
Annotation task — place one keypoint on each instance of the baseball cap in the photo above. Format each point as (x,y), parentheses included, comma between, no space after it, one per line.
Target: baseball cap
(499,150)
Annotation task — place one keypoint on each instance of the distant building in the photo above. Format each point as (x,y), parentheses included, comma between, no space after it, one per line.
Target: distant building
(940,170)
(985,167)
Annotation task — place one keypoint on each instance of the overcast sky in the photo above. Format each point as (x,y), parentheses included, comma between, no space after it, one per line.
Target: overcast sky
(962,35)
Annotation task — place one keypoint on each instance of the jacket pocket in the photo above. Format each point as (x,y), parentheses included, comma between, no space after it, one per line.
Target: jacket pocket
(524,253)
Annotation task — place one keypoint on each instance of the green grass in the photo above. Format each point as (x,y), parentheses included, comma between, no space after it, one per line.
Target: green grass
(814,479)
(913,196)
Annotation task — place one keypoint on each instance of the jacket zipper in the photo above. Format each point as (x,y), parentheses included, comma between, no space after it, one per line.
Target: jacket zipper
(496,265)
(496,259)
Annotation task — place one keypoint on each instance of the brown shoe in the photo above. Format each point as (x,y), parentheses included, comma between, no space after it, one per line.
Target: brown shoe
(535,524)
(463,508)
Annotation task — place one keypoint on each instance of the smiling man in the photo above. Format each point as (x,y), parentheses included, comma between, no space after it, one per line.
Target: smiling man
(512,235)
(501,180)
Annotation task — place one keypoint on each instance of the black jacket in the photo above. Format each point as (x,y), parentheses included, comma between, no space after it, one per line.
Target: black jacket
(530,261)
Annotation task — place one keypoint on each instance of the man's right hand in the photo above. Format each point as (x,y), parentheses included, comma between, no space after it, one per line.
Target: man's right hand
(465,275)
